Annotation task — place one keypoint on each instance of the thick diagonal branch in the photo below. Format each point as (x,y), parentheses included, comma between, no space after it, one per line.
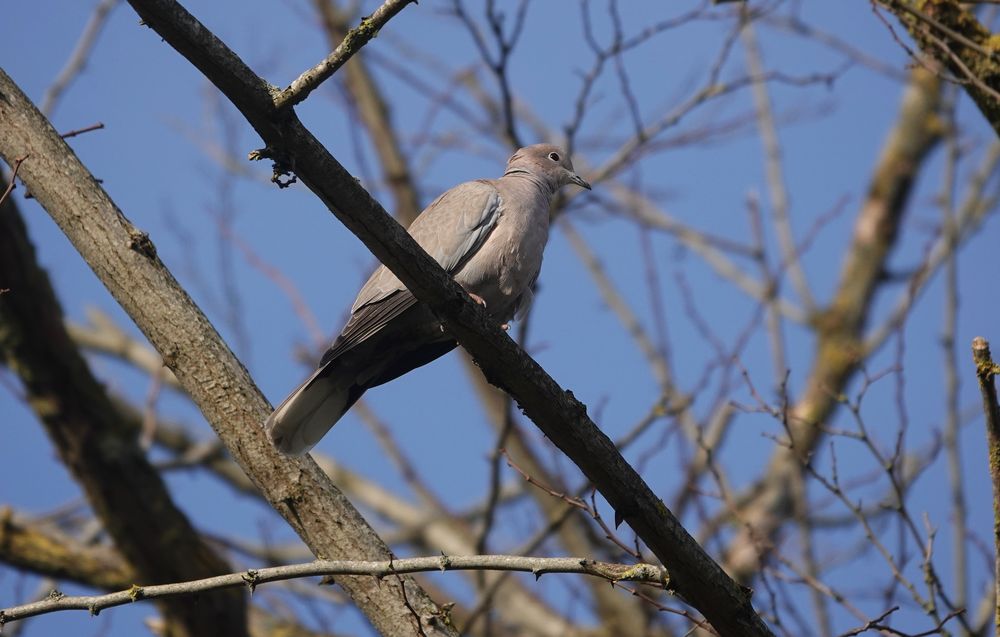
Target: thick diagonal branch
(100,450)
(562,418)
(125,260)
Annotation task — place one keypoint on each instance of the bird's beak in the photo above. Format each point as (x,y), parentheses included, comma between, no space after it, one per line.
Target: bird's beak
(578,180)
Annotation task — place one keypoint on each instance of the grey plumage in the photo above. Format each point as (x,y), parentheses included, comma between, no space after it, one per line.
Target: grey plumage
(488,234)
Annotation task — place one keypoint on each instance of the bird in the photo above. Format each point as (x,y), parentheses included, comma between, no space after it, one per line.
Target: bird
(489,235)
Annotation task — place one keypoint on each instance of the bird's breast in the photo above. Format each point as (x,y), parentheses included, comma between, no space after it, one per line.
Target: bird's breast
(508,262)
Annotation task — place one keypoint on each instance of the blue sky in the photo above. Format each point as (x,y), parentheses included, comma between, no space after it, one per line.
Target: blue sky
(160,115)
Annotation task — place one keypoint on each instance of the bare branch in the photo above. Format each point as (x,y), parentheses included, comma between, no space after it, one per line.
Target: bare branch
(125,490)
(125,259)
(374,114)
(557,413)
(657,363)
(952,428)
(537,566)
(32,546)
(986,370)
(356,38)
(977,203)
(78,58)
(951,33)
(840,325)
(711,249)
(12,184)
(775,172)
(100,334)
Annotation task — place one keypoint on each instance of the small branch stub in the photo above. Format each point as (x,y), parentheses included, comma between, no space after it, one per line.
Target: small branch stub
(141,243)
(250,579)
(985,367)
(986,370)
(282,172)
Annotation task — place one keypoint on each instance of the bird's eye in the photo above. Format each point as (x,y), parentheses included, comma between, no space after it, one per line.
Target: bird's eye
(554,156)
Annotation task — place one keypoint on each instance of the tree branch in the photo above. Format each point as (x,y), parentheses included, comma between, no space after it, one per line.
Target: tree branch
(125,260)
(950,33)
(986,370)
(374,114)
(101,334)
(618,612)
(538,566)
(352,43)
(775,170)
(125,490)
(78,58)
(696,577)
(36,548)
(53,554)
(840,325)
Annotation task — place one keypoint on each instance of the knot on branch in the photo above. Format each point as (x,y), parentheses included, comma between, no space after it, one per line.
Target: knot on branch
(135,592)
(251,578)
(441,616)
(141,243)
(445,562)
(282,169)
(642,572)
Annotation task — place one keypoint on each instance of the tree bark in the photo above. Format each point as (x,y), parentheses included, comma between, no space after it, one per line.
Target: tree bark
(950,33)
(125,260)
(125,490)
(694,575)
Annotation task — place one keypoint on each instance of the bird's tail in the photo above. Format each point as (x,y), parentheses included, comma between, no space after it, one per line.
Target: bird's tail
(310,411)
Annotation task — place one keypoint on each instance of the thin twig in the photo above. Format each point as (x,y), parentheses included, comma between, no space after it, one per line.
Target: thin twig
(775,171)
(81,131)
(12,184)
(952,428)
(78,58)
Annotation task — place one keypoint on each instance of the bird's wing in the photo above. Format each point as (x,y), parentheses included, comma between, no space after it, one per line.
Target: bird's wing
(451,229)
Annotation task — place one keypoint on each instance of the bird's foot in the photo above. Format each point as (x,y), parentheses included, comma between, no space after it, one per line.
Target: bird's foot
(480,300)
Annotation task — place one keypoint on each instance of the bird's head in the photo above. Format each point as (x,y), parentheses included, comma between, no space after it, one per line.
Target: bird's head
(546,162)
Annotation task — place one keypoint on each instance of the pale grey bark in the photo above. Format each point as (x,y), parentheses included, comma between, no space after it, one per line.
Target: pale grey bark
(125,260)
(382,570)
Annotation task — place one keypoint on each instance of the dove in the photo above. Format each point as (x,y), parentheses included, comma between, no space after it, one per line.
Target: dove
(489,235)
